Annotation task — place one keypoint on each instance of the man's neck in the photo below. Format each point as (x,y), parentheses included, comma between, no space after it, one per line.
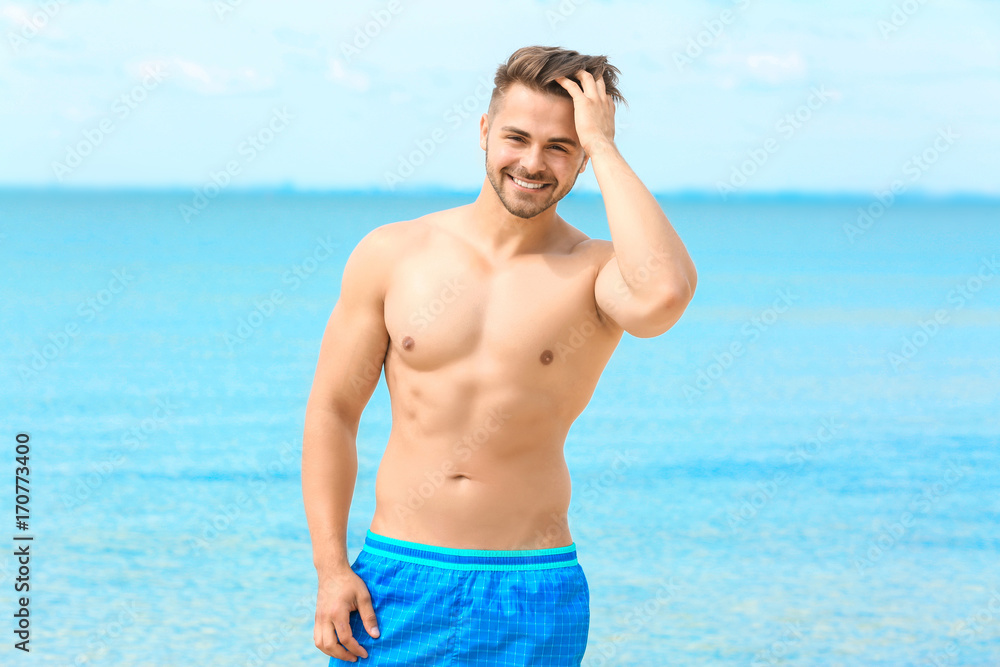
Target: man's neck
(501,234)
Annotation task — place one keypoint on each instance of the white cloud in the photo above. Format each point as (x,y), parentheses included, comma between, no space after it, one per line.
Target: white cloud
(768,68)
(344,77)
(16,14)
(775,69)
(212,80)
(32,22)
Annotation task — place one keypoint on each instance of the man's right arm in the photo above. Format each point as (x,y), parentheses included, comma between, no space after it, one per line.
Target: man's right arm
(350,363)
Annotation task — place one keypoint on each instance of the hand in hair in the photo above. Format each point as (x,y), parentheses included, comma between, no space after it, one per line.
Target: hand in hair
(593,110)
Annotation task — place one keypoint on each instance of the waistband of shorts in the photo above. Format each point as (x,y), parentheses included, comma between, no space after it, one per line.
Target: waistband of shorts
(470,559)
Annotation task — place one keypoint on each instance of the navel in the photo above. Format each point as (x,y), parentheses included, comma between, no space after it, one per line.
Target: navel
(408,343)
(546,357)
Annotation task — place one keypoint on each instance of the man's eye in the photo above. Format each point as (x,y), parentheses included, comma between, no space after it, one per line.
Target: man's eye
(515,138)
(560,148)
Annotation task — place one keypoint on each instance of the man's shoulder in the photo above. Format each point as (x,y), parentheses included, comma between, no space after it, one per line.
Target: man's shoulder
(598,251)
(406,236)
(385,242)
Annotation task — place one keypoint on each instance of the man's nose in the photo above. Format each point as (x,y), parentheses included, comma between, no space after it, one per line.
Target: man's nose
(533,161)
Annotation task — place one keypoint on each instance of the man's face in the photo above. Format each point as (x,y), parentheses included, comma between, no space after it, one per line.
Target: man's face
(533,154)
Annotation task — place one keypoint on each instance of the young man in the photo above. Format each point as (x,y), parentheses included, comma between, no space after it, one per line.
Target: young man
(493,322)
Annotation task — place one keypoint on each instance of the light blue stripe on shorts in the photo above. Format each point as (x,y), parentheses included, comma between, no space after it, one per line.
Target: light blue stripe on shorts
(471,607)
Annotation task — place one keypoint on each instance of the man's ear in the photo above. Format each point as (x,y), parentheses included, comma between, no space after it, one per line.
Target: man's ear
(583,167)
(484,129)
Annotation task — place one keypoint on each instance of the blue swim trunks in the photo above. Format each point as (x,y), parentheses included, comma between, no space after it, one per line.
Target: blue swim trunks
(470,607)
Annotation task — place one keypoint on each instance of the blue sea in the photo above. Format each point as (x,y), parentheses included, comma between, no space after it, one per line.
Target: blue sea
(805,470)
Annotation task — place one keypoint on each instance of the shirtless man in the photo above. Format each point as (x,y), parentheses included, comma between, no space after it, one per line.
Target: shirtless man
(493,322)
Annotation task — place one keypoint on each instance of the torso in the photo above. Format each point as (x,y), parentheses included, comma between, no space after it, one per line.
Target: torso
(487,368)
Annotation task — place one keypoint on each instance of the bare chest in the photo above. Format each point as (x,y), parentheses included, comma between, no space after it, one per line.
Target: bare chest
(536,311)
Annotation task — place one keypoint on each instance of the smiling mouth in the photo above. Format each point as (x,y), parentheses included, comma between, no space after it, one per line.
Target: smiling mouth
(528,186)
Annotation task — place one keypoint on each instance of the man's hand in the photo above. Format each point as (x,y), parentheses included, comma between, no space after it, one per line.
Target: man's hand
(339,594)
(593,110)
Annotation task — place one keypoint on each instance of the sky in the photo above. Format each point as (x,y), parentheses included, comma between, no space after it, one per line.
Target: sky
(727,97)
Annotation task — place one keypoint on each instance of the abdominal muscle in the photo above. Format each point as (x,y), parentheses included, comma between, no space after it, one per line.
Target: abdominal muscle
(502,484)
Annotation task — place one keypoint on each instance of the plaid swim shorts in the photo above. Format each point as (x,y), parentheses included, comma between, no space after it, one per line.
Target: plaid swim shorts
(469,607)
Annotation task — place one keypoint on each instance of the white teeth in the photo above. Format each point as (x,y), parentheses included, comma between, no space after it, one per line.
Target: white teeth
(532,186)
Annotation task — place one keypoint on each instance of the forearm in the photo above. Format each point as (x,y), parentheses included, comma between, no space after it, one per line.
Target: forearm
(651,256)
(329,472)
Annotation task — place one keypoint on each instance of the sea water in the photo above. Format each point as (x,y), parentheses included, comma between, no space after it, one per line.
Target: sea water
(803,470)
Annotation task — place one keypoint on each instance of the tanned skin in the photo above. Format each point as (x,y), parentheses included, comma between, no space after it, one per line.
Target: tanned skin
(493,322)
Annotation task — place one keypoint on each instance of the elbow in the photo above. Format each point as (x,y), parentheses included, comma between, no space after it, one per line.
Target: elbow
(681,296)
(674,299)
(685,286)
(671,309)
(661,314)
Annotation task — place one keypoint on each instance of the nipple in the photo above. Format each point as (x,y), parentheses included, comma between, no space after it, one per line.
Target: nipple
(546,357)
(407,343)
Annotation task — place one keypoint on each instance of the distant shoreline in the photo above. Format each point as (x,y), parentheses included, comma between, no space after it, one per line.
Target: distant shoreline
(708,196)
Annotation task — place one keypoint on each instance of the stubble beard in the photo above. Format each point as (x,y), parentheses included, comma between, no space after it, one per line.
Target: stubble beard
(515,204)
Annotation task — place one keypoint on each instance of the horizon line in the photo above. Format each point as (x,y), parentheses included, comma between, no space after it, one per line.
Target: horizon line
(692,194)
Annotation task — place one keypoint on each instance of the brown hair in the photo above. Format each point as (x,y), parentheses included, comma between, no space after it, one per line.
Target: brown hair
(538,67)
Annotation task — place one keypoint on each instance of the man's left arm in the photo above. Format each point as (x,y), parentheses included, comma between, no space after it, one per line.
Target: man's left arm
(649,281)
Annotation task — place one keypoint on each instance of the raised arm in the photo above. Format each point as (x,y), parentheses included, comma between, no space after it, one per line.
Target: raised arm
(649,278)
(350,364)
